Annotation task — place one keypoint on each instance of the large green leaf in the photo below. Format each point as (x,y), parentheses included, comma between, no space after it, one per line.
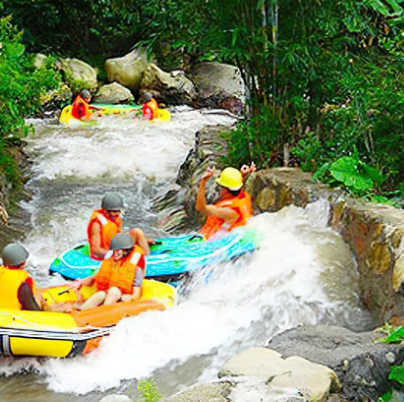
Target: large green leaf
(396,336)
(397,374)
(374,174)
(346,171)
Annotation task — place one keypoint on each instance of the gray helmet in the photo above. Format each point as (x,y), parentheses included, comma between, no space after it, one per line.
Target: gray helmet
(121,241)
(112,202)
(85,93)
(147,96)
(14,254)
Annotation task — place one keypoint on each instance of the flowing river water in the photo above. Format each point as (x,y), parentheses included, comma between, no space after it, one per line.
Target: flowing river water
(303,273)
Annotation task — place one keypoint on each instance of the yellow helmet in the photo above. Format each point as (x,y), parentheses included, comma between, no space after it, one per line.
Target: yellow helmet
(231,179)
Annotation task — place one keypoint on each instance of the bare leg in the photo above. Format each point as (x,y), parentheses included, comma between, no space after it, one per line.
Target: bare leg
(140,238)
(113,295)
(94,301)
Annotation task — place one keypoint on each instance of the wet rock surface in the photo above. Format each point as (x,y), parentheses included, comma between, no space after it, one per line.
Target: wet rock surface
(79,71)
(179,202)
(219,86)
(263,375)
(362,364)
(169,88)
(374,232)
(128,70)
(116,398)
(113,94)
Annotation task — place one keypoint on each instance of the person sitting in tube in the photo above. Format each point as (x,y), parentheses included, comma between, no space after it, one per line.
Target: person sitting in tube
(18,290)
(150,107)
(81,108)
(234,207)
(105,223)
(120,276)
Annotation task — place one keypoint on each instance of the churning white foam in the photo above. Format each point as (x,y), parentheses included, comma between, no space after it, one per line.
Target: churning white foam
(226,310)
(118,147)
(242,304)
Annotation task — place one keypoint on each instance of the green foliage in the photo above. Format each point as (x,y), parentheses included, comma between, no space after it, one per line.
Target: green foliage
(149,391)
(397,374)
(393,334)
(21,87)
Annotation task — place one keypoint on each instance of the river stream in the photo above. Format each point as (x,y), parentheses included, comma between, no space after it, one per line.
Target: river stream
(304,272)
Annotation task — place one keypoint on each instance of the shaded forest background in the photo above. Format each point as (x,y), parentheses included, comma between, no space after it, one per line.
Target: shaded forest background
(324,77)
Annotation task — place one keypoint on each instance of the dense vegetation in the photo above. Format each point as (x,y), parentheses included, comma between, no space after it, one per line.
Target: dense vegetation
(21,87)
(324,76)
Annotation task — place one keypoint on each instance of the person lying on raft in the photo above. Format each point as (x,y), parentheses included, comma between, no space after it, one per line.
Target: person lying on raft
(234,207)
(18,290)
(105,223)
(120,277)
(81,108)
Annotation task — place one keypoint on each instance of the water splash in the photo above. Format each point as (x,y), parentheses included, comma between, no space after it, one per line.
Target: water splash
(303,273)
(240,305)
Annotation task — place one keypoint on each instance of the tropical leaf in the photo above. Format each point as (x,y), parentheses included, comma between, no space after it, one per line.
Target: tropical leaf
(374,174)
(397,374)
(346,171)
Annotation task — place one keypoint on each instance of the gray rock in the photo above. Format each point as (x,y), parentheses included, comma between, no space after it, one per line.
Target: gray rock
(116,398)
(219,85)
(179,202)
(292,372)
(78,71)
(213,392)
(128,70)
(112,94)
(361,364)
(170,89)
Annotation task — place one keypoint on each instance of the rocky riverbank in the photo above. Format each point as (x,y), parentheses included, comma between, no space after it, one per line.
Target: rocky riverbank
(374,232)
(211,85)
(305,364)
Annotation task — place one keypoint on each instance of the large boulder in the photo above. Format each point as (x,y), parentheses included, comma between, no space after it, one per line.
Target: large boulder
(79,74)
(362,365)
(171,88)
(112,94)
(292,372)
(128,70)
(219,85)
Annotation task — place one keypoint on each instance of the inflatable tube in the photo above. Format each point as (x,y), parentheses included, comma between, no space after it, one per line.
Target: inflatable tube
(40,333)
(68,120)
(118,109)
(163,115)
(170,258)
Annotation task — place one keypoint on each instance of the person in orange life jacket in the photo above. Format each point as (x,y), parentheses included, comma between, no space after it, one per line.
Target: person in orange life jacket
(150,106)
(234,207)
(120,277)
(17,289)
(105,223)
(81,108)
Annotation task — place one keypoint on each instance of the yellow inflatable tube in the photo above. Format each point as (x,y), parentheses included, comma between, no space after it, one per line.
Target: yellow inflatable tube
(40,333)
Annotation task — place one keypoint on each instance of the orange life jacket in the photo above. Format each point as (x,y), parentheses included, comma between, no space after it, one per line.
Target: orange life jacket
(121,273)
(109,228)
(81,109)
(150,109)
(10,282)
(241,204)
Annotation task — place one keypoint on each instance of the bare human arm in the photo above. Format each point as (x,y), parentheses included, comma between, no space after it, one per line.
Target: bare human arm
(95,240)
(206,209)
(140,238)
(245,170)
